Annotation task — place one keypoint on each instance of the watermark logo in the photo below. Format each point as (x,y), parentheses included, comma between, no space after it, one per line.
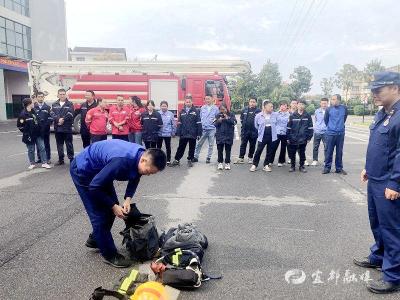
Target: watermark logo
(295,276)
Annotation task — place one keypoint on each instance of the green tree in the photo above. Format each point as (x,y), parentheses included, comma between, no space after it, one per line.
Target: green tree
(301,81)
(268,79)
(242,87)
(373,66)
(346,77)
(282,92)
(327,85)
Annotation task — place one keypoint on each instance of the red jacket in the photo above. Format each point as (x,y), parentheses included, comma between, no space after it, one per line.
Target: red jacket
(119,115)
(96,120)
(135,124)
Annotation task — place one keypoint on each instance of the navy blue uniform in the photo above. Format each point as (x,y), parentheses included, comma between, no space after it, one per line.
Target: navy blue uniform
(249,132)
(151,124)
(93,172)
(383,171)
(45,120)
(84,131)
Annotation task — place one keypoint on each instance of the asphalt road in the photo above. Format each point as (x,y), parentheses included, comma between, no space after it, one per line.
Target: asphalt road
(267,232)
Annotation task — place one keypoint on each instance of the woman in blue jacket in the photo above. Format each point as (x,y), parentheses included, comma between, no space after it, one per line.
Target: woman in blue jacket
(225,123)
(265,122)
(167,130)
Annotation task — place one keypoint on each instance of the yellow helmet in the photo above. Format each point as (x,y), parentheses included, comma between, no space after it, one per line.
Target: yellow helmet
(150,291)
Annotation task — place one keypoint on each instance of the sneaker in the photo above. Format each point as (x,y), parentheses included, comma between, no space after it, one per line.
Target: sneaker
(227,166)
(208,160)
(280,165)
(250,161)
(291,169)
(175,163)
(267,168)
(253,168)
(326,171)
(364,262)
(383,287)
(239,161)
(190,163)
(220,166)
(90,242)
(168,163)
(31,167)
(306,163)
(314,163)
(60,163)
(195,160)
(302,170)
(118,261)
(46,166)
(289,162)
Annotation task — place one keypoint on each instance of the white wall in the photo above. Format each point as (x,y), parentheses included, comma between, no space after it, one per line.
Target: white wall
(49,30)
(15,83)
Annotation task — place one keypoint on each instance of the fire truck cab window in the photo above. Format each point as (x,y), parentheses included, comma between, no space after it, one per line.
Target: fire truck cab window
(215,88)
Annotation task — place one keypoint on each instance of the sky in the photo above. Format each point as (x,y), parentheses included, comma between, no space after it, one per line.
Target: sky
(319,34)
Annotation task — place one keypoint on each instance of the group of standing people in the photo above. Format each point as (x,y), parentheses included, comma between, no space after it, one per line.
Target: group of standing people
(293,128)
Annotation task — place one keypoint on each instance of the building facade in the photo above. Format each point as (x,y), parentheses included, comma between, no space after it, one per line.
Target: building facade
(97,54)
(29,29)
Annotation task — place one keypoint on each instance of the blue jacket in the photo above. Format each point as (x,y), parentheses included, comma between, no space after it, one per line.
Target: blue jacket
(247,120)
(208,117)
(383,153)
(103,162)
(260,122)
(335,118)
(189,124)
(225,129)
(282,120)
(45,118)
(319,124)
(169,126)
(66,112)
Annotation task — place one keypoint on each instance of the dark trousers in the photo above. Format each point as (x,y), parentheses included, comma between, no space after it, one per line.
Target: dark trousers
(318,138)
(332,142)
(149,144)
(101,216)
(282,140)
(247,139)
(384,220)
(85,139)
(167,141)
(301,149)
(228,148)
(61,138)
(97,137)
(46,140)
(182,147)
(266,141)
(123,137)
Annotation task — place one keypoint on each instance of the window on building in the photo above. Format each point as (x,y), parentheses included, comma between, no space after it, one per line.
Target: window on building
(15,39)
(19,6)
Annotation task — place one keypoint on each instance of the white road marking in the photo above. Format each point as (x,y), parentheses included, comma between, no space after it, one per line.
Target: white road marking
(12,131)
(236,133)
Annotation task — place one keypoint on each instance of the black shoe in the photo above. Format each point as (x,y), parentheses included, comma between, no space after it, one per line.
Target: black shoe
(190,163)
(91,243)
(195,160)
(208,160)
(118,261)
(38,161)
(60,163)
(383,287)
(292,169)
(326,171)
(175,163)
(302,170)
(343,172)
(365,263)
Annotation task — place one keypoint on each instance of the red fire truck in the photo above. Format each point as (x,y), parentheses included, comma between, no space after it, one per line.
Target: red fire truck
(168,80)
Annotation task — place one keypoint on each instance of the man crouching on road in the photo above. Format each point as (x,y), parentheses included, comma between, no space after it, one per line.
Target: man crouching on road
(93,172)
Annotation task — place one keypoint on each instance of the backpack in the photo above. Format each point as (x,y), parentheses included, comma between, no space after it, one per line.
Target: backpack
(140,235)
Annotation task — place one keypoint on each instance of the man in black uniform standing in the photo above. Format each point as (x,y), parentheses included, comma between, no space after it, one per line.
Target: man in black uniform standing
(42,109)
(62,112)
(85,107)
(382,171)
